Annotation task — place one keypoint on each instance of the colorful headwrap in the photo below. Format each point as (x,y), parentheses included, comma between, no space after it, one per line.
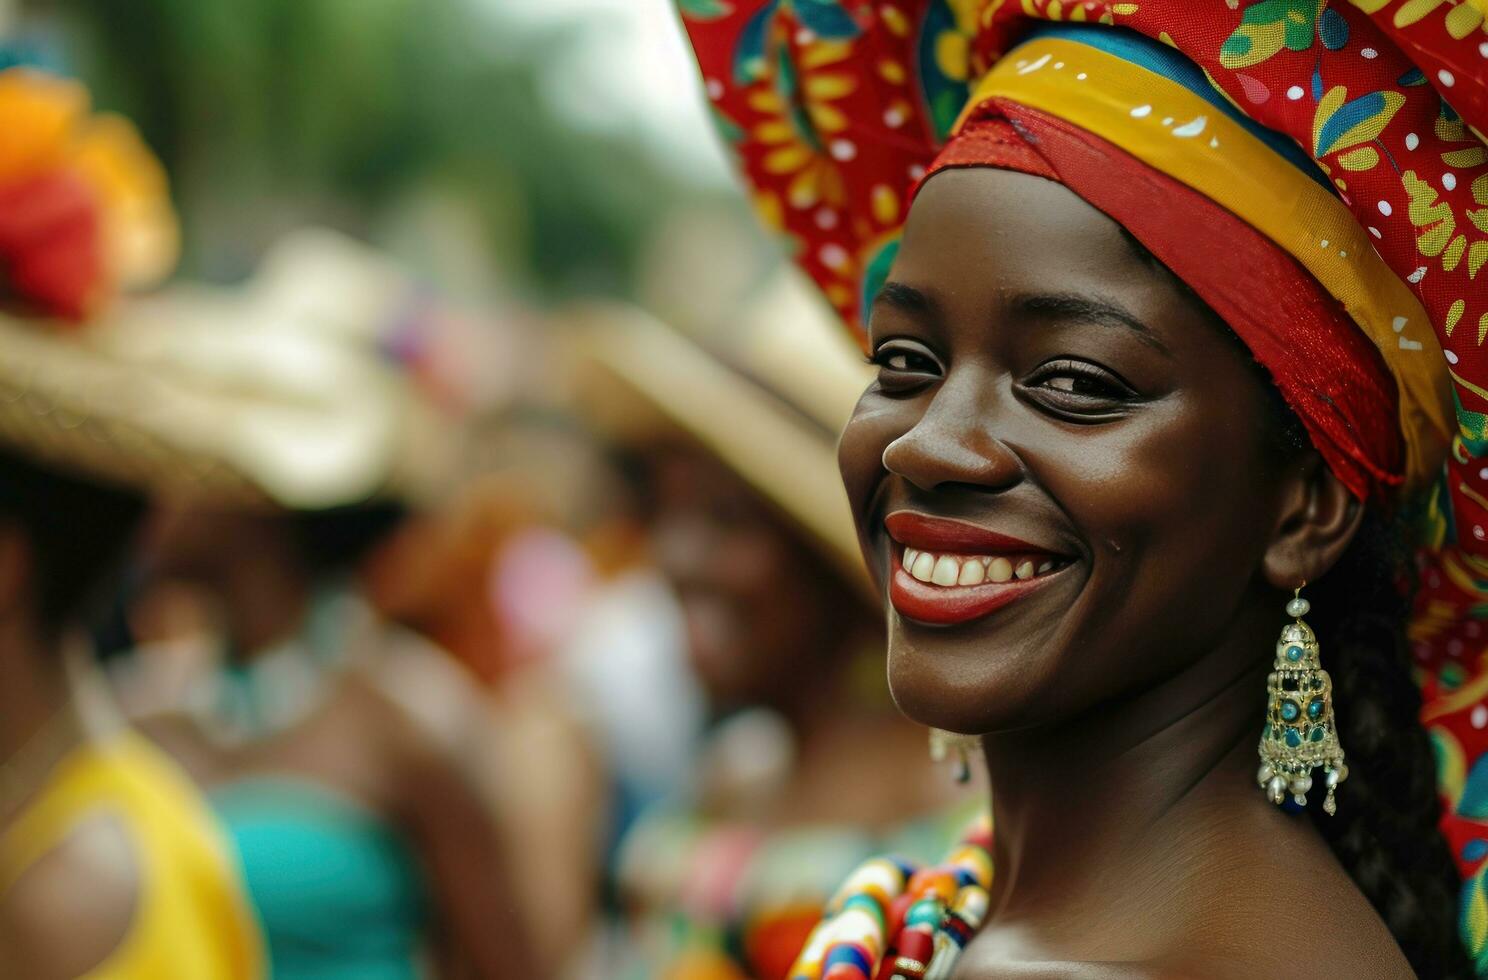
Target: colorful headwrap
(1331,178)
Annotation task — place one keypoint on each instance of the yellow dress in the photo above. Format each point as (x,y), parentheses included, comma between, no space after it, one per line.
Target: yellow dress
(191,919)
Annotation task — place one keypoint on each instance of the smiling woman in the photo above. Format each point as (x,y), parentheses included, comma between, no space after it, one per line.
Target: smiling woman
(1153,329)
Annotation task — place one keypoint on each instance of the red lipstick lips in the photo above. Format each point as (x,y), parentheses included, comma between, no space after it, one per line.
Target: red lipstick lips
(981,590)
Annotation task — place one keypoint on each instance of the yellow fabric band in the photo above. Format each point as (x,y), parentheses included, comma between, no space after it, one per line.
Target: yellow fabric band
(1177,132)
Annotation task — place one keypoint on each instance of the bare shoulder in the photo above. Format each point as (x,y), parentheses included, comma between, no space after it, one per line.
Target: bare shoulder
(1285,905)
(1246,892)
(1065,971)
(183,739)
(1192,968)
(71,909)
(439,705)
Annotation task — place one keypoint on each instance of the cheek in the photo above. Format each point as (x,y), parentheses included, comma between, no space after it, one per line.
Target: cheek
(875,424)
(1172,507)
(769,588)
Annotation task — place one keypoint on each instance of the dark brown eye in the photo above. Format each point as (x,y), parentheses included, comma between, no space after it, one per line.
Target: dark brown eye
(1075,387)
(904,363)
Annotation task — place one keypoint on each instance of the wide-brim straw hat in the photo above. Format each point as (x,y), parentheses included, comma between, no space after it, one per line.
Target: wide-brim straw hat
(768,398)
(278,393)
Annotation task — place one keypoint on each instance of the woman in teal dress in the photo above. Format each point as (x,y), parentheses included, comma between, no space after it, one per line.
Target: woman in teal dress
(350,760)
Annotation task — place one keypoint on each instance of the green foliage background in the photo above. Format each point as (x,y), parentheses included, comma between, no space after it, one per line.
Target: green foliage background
(271,113)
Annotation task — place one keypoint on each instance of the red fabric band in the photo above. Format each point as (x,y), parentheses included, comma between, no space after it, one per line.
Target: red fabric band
(1326,369)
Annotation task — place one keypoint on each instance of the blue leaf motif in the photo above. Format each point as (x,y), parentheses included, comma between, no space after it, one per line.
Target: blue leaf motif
(1333,30)
(1349,115)
(876,271)
(827,19)
(749,55)
(1474,801)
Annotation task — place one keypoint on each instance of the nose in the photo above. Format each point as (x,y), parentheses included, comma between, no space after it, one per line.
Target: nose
(955,442)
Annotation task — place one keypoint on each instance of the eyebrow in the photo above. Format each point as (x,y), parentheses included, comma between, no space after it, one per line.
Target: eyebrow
(1060,306)
(1087,309)
(905,297)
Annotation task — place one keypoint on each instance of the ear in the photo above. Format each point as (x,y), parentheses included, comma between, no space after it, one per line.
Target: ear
(1315,524)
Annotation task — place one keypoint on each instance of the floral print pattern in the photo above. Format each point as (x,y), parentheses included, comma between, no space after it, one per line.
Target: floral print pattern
(843,103)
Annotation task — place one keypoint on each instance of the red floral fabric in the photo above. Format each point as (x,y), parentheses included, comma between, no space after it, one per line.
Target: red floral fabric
(835,108)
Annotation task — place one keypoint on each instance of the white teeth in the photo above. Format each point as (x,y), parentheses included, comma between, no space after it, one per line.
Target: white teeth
(968,570)
(947,570)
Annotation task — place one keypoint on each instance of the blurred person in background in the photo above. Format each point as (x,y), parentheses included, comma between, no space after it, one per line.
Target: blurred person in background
(349,759)
(757,544)
(111,864)
(497,578)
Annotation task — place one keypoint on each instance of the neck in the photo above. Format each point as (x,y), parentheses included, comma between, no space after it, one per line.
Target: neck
(33,686)
(33,693)
(264,599)
(1072,802)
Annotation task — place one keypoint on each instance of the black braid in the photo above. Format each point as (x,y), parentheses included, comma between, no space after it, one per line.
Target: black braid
(1385,832)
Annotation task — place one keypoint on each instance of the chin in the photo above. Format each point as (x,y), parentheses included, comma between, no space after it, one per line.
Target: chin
(945,685)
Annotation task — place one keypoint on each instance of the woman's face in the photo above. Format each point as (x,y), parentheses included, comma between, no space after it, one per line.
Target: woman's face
(1073,441)
(758,605)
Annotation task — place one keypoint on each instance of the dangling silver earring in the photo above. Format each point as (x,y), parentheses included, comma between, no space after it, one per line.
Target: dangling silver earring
(944,744)
(1300,734)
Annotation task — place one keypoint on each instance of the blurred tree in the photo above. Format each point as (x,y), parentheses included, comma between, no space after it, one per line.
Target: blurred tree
(271,113)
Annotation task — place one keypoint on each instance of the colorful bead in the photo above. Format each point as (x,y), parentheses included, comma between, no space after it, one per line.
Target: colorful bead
(927,911)
(893,921)
(898,909)
(908,969)
(971,904)
(868,905)
(934,881)
(850,954)
(880,877)
(916,944)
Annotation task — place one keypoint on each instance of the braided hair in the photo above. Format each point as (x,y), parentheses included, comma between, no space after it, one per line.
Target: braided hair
(77,530)
(1385,833)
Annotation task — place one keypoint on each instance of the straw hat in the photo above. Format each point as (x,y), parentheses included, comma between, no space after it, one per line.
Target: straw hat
(768,398)
(284,392)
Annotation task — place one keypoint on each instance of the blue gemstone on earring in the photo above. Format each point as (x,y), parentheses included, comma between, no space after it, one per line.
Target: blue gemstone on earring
(1294,653)
(1315,709)
(1292,738)
(1289,711)
(1318,733)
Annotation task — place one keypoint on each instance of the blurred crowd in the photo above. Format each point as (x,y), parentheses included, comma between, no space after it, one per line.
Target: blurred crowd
(444,573)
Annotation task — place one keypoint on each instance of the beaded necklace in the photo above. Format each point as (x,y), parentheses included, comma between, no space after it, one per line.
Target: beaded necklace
(893,921)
